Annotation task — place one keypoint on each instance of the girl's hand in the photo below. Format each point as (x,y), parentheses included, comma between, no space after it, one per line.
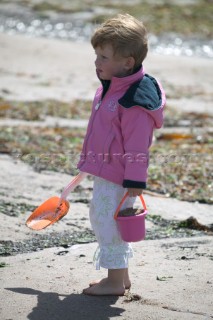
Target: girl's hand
(134,192)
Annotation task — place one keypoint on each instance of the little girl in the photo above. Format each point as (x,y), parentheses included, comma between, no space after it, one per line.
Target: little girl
(126,109)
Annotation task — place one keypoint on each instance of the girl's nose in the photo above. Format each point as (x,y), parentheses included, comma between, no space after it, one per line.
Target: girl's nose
(97,62)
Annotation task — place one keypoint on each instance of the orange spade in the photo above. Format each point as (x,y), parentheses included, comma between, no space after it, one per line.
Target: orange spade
(53,209)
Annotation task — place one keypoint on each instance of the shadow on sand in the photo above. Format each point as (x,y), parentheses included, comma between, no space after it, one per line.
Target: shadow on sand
(54,306)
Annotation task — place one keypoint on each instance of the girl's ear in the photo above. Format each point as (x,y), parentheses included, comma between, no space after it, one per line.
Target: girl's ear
(130,63)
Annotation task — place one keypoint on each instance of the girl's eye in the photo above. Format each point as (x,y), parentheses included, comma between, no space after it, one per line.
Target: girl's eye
(103,57)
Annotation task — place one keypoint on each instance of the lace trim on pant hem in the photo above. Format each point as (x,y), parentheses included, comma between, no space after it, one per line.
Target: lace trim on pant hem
(114,260)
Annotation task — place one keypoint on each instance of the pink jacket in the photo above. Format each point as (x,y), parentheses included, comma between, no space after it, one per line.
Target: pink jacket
(124,114)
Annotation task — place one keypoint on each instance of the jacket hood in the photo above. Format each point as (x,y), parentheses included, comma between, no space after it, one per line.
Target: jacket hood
(148,94)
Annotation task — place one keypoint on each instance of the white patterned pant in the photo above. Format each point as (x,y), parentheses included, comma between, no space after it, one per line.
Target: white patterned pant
(112,252)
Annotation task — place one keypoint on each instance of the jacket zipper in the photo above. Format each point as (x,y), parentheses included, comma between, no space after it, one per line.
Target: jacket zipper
(96,109)
(98,105)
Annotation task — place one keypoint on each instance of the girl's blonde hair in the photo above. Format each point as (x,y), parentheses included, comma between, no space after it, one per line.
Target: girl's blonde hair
(127,36)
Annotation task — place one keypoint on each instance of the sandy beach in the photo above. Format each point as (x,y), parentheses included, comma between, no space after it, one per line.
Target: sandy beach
(171,278)
(35,68)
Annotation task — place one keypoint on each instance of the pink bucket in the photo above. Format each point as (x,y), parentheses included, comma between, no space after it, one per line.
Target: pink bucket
(132,228)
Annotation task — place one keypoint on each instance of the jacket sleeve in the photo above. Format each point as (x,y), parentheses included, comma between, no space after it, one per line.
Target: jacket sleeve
(137,130)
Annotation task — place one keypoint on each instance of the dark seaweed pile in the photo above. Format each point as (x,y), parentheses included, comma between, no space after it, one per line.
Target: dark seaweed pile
(39,242)
(162,229)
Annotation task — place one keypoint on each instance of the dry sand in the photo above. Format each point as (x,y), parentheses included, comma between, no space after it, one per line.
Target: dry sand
(33,69)
(173,277)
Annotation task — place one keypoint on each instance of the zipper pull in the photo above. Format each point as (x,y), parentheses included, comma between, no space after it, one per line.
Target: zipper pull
(98,105)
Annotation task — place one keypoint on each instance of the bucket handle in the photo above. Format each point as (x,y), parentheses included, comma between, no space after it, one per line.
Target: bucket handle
(122,201)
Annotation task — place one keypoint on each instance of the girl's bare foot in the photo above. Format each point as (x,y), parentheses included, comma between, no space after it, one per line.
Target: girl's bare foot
(105,287)
(127,283)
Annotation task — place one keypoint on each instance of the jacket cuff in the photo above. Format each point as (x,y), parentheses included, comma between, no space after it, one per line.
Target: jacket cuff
(134,184)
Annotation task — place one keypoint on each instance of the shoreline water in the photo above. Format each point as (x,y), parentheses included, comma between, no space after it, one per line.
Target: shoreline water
(77,27)
(170,44)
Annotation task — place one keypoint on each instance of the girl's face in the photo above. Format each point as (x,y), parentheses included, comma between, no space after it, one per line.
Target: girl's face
(108,65)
